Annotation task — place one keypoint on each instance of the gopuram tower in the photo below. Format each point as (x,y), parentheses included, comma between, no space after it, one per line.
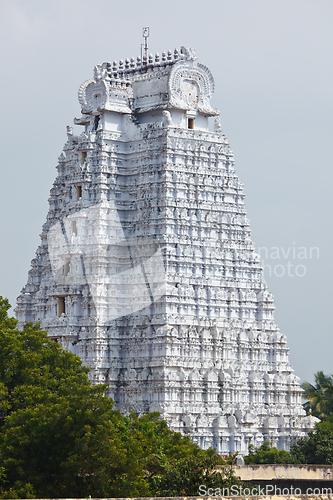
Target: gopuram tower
(146,268)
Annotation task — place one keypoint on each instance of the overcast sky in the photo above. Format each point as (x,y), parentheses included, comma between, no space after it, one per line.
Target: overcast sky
(272,64)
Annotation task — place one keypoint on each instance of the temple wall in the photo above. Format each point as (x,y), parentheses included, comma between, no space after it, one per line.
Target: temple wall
(285,471)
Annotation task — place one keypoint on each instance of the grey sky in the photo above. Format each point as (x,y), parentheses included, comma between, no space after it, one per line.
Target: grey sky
(272,64)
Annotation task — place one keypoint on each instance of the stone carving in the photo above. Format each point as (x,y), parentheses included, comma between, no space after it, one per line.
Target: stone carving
(99,72)
(217,125)
(93,95)
(188,53)
(191,86)
(146,268)
(167,120)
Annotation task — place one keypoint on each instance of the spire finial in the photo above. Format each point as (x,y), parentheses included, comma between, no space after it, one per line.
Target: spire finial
(144,46)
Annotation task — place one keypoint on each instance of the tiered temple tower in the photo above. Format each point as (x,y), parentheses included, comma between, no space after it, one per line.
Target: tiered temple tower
(146,268)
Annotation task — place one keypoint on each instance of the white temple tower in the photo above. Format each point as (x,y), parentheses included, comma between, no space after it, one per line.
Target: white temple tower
(146,268)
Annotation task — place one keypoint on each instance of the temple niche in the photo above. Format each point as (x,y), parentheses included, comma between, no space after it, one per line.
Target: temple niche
(146,268)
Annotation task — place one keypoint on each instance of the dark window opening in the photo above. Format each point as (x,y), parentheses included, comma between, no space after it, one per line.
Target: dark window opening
(190,123)
(96,122)
(61,306)
(78,192)
(83,156)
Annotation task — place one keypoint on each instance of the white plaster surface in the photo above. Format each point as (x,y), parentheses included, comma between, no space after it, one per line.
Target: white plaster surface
(164,295)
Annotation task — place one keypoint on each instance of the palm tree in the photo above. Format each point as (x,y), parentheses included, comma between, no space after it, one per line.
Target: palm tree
(319,396)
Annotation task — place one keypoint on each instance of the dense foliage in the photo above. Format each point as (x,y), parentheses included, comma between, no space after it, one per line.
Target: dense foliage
(184,476)
(317,448)
(61,437)
(267,454)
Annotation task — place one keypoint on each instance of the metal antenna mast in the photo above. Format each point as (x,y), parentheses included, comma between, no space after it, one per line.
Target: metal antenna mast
(145,34)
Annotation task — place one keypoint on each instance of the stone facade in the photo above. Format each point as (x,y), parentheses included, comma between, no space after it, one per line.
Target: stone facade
(146,268)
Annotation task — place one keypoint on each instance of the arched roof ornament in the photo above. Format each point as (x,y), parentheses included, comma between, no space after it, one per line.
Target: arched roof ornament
(191,85)
(93,94)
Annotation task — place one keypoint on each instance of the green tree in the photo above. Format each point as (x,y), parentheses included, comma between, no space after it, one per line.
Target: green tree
(175,465)
(317,448)
(61,437)
(267,454)
(184,476)
(319,396)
